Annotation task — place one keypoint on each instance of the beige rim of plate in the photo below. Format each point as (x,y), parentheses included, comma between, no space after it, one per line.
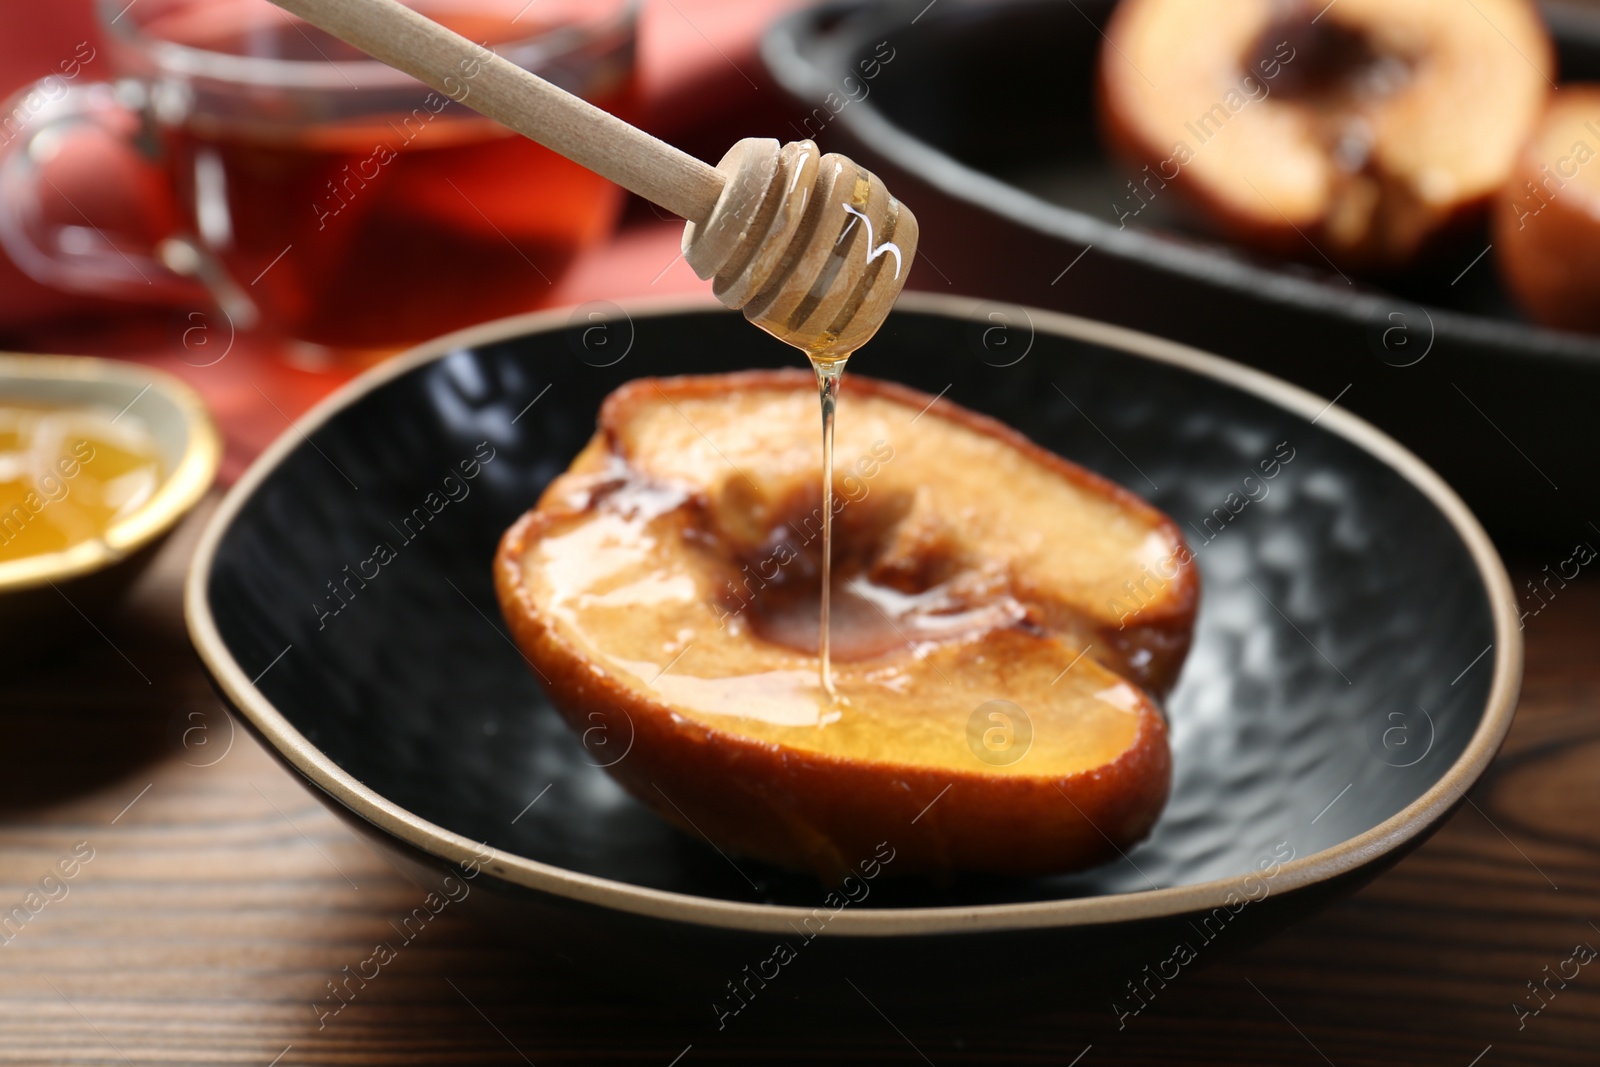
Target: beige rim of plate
(180,490)
(606,893)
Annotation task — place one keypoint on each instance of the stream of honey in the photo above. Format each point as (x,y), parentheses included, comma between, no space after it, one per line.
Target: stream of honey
(828,361)
(830,369)
(828,357)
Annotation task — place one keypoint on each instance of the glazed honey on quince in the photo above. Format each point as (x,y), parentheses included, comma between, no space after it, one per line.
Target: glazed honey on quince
(382,231)
(67,475)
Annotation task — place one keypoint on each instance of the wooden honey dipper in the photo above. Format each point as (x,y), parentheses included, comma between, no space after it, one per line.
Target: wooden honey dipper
(811,247)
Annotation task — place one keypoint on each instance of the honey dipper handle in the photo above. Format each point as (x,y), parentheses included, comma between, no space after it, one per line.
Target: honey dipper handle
(472,75)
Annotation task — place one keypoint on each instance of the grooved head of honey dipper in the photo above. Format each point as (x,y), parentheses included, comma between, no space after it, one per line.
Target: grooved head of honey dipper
(811,247)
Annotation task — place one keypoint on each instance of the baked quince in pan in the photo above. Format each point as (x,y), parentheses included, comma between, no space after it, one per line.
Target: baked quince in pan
(1546,226)
(1366,132)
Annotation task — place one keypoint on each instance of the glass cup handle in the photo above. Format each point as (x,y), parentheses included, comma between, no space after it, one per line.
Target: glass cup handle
(79,256)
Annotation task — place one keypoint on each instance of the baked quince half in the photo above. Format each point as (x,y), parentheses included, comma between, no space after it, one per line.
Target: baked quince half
(1364,132)
(1002,621)
(1546,225)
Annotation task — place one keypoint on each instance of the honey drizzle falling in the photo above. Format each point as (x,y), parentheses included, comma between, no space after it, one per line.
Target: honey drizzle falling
(829,372)
(828,357)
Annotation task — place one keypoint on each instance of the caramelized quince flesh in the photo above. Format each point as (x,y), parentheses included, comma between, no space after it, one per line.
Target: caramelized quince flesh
(1362,132)
(672,574)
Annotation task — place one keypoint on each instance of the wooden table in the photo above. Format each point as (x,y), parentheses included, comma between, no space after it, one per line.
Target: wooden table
(221,898)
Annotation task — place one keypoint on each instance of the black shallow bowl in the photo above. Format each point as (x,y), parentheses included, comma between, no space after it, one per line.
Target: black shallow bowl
(1356,662)
(983,122)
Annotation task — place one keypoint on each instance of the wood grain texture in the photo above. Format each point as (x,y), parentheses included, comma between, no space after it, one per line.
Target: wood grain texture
(219,904)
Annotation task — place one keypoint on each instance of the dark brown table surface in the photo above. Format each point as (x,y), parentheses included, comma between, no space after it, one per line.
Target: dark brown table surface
(221,898)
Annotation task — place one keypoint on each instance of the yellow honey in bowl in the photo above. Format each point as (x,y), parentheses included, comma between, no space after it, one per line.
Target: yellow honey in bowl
(69,474)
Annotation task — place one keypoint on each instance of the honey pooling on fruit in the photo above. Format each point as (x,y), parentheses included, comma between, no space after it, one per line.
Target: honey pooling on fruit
(67,475)
(667,587)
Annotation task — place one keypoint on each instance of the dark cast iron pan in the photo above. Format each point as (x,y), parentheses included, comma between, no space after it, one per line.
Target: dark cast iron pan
(982,119)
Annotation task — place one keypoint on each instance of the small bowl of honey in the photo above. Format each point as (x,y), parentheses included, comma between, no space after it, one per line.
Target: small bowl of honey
(99,459)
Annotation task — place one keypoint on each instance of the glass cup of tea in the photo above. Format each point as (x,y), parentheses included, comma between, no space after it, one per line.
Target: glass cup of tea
(315,193)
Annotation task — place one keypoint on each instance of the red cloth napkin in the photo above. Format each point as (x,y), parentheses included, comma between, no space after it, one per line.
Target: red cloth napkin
(702,85)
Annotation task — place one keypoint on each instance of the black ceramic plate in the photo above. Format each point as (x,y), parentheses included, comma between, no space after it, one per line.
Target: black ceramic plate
(983,121)
(1355,666)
